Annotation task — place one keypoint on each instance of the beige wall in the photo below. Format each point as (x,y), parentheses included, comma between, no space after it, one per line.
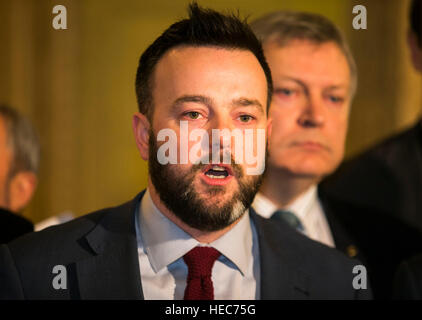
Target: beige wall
(77,85)
(389,93)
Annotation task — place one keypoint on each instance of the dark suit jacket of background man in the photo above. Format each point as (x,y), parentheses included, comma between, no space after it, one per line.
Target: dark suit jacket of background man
(387,178)
(379,240)
(13,226)
(99,251)
(408,282)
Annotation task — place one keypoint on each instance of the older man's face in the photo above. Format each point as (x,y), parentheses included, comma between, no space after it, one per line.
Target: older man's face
(5,160)
(208,88)
(310,107)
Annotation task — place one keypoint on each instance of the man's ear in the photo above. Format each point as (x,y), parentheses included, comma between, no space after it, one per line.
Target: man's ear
(415,50)
(141,127)
(21,189)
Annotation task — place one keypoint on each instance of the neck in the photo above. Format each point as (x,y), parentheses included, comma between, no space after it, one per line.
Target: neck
(200,235)
(282,187)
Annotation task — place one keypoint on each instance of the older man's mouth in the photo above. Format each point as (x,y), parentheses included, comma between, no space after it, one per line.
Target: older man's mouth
(311,146)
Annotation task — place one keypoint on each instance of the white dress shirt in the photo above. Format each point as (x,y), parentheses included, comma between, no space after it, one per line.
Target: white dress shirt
(162,245)
(307,208)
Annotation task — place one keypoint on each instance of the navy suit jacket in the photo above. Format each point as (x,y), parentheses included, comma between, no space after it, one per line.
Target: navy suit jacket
(387,177)
(408,280)
(377,239)
(99,251)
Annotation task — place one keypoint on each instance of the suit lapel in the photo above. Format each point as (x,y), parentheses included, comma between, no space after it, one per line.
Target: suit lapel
(281,273)
(343,240)
(113,271)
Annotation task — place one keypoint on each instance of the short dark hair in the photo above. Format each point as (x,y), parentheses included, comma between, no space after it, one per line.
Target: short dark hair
(205,27)
(415,19)
(22,140)
(285,26)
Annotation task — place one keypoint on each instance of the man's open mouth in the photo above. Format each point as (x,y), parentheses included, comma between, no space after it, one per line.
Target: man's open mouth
(217,173)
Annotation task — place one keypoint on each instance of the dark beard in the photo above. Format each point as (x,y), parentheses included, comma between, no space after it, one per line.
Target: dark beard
(179,196)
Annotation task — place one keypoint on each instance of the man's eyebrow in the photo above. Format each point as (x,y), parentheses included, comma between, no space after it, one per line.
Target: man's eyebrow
(338,86)
(245,102)
(303,85)
(193,98)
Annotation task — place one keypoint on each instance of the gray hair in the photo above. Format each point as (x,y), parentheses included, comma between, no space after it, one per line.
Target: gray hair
(23,141)
(285,26)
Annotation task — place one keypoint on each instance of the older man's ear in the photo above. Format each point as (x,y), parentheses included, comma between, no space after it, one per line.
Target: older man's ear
(21,189)
(141,126)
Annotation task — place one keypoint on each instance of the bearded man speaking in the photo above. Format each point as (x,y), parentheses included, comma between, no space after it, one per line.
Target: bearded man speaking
(191,234)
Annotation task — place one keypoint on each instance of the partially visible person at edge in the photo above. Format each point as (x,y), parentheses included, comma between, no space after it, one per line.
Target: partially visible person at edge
(19,158)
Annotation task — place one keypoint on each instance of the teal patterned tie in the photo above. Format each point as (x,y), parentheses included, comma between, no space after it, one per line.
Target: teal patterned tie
(290,218)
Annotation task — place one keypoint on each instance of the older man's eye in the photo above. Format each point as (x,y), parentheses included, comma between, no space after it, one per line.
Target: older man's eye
(336,99)
(284,91)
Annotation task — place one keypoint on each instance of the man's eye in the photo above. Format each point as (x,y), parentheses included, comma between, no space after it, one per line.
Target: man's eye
(336,99)
(284,91)
(192,115)
(245,118)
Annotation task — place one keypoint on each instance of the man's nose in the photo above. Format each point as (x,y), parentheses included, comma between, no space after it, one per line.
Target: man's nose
(312,115)
(220,131)
(221,123)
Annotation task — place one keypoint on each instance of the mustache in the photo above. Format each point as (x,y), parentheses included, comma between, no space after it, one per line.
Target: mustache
(205,161)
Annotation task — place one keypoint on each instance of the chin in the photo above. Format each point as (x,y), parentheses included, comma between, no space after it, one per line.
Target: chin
(304,170)
(209,193)
(215,198)
(312,170)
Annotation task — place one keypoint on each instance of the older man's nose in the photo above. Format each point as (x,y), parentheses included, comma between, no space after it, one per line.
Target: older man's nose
(312,115)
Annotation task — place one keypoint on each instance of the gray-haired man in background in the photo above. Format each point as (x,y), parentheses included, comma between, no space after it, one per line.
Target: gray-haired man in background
(315,78)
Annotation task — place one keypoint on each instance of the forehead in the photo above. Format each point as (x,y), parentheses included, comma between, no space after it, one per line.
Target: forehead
(316,63)
(210,71)
(195,56)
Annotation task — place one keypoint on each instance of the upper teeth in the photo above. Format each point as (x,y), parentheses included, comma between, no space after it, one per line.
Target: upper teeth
(217,168)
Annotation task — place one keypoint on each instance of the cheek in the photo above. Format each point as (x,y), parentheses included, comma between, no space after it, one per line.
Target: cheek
(284,116)
(282,127)
(337,136)
(275,112)
(181,171)
(337,129)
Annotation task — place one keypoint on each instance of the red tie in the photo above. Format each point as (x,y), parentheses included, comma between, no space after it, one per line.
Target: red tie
(199,284)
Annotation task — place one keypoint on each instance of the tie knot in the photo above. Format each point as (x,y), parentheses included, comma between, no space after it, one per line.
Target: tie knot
(290,218)
(200,261)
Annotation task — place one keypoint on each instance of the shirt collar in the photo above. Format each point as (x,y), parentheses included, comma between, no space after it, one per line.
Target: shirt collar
(236,244)
(263,206)
(301,206)
(164,242)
